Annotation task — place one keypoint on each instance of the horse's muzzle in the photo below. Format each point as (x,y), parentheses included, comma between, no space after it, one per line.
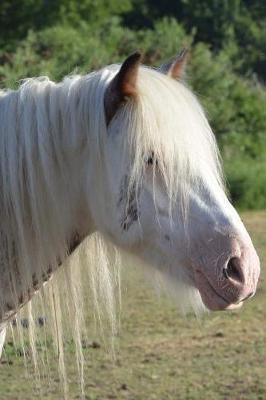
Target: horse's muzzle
(233,279)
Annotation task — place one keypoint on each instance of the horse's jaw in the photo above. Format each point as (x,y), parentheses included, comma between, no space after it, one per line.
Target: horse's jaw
(212,255)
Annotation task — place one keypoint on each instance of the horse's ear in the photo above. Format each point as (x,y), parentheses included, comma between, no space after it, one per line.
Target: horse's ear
(123,85)
(175,68)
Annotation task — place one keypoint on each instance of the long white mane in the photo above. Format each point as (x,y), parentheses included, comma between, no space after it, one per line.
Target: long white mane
(47,130)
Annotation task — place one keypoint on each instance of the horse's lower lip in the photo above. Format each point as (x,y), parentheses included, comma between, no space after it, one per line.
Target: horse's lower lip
(211,299)
(234,306)
(219,305)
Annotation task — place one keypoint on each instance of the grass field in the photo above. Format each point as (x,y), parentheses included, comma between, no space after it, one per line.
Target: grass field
(162,355)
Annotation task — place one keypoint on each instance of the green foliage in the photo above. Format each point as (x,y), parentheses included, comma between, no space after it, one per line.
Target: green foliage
(218,23)
(246,182)
(62,49)
(17,17)
(236,107)
(227,65)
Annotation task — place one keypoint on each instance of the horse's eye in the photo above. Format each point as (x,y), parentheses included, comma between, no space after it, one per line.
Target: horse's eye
(150,159)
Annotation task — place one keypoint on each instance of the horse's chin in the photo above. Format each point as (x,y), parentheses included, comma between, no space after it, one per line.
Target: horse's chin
(217,303)
(210,298)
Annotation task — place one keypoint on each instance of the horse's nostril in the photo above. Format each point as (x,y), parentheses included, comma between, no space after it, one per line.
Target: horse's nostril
(233,270)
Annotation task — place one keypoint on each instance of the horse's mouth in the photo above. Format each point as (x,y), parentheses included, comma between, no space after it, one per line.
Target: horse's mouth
(213,300)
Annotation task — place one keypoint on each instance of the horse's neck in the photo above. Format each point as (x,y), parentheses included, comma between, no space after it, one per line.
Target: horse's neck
(51,123)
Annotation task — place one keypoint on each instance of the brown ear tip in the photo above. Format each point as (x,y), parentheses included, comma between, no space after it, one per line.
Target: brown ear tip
(131,63)
(136,56)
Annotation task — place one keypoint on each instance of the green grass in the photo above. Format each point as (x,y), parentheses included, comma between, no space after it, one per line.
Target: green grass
(162,355)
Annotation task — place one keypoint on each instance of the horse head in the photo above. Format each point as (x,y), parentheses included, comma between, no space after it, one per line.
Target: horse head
(163,197)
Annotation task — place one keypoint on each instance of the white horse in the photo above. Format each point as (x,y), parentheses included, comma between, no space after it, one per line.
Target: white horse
(127,152)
